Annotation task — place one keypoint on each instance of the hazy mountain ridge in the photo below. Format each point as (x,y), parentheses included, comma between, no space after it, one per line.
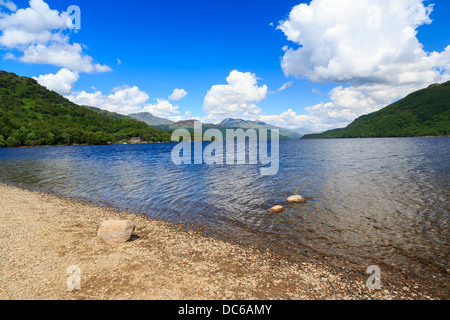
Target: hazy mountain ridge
(247,124)
(150,119)
(232,124)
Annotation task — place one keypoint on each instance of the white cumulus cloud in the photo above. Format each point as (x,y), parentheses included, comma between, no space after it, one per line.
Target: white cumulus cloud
(62,82)
(237,99)
(125,100)
(62,55)
(162,108)
(341,43)
(178,94)
(289,119)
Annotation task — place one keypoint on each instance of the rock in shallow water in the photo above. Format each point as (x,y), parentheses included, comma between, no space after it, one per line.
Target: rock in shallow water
(276,209)
(115,231)
(296,199)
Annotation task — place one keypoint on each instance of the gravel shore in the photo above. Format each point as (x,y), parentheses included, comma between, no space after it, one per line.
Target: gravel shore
(42,235)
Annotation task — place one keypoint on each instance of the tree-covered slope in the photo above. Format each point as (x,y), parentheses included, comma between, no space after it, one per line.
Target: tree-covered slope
(422,113)
(31,115)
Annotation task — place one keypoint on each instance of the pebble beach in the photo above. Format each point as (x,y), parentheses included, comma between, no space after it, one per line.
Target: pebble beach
(42,235)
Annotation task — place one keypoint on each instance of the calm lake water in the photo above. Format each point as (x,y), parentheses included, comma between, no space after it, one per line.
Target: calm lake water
(383,200)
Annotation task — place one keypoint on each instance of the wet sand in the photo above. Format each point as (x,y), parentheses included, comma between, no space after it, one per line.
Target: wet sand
(42,235)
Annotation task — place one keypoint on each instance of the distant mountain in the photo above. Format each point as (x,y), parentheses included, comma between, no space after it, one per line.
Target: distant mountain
(422,113)
(189,125)
(242,123)
(246,124)
(150,119)
(230,124)
(32,115)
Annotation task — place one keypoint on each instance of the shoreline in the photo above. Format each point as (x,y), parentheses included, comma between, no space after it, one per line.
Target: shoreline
(42,234)
(172,142)
(85,145)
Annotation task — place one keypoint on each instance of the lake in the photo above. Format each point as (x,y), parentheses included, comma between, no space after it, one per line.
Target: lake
(380,200)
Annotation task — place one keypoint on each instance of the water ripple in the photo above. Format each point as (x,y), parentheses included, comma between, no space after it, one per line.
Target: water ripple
(383,199)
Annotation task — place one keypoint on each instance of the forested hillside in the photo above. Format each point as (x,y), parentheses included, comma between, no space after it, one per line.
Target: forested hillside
(422,113)
(31,115)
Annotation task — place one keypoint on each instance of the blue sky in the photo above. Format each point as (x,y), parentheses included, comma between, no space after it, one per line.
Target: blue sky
(196,45)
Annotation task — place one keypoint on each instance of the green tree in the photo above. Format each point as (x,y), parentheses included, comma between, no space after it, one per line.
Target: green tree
(12,141)
(66,138)
(32,139)
(50,139)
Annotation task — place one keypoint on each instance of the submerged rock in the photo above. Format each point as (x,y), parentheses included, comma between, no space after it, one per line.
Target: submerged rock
(296,199)
(115,231)
(276,209)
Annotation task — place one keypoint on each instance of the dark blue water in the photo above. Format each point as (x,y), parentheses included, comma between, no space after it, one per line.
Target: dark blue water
(386,200)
